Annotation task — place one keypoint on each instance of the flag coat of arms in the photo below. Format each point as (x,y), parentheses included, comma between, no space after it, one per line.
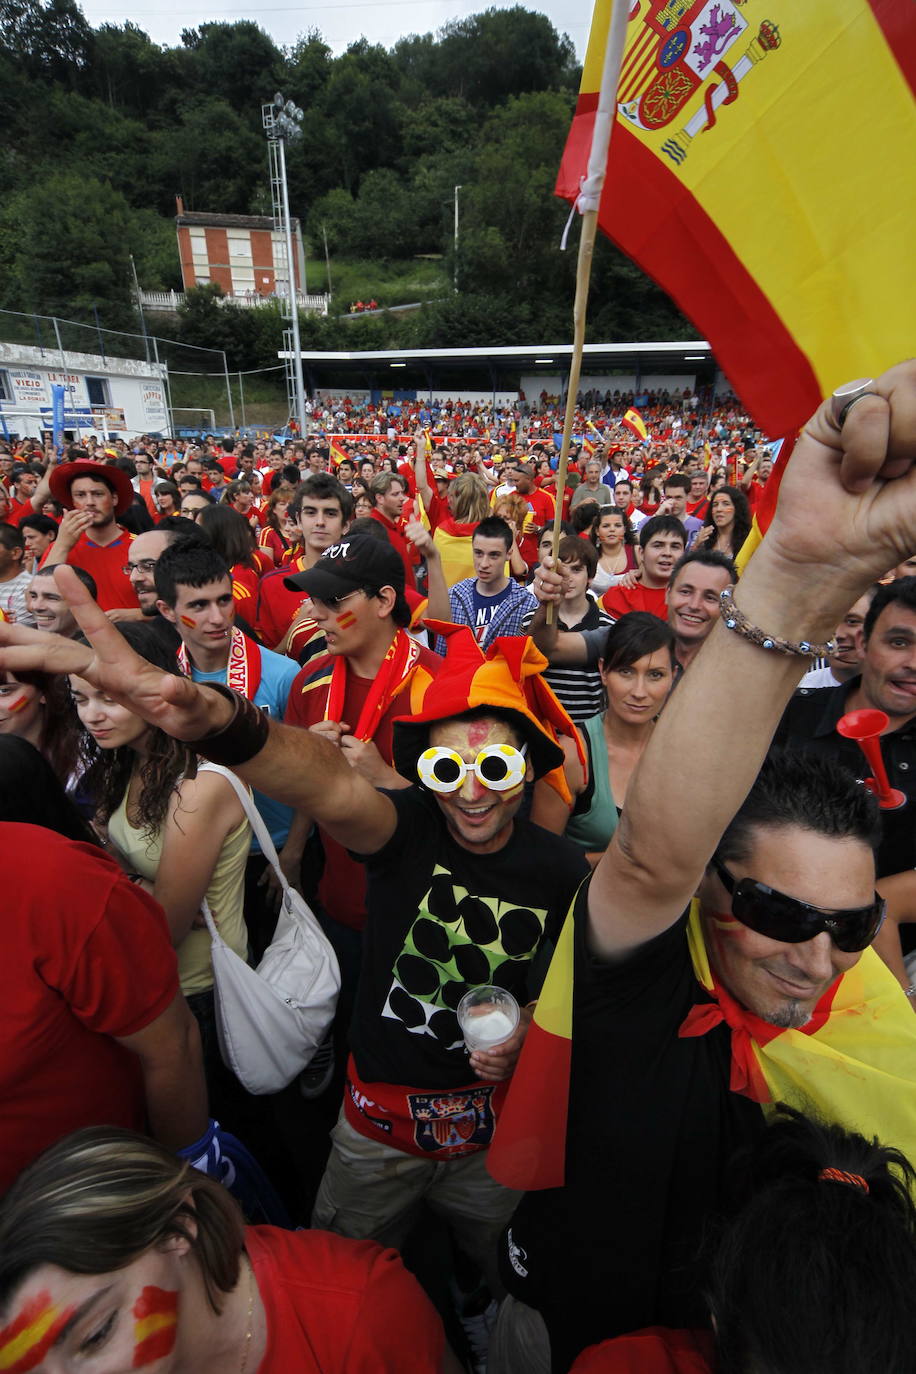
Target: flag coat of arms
(761,169)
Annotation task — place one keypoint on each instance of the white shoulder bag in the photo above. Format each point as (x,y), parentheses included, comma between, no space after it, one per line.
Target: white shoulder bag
(271,1020)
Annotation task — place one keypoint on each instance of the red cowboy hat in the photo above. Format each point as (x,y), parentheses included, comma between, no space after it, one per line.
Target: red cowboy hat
(62,478)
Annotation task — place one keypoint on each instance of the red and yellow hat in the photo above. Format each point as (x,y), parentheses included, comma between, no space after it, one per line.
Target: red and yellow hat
(507,681)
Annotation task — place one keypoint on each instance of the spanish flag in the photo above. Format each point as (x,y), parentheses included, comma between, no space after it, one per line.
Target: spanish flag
(634,422)
(752,129)
(337,453)
(851,1062)
(26,1340)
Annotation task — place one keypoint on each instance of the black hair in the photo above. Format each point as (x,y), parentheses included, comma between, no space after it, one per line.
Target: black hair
(229,533)
(11,536)
(816,1274)
(581,516)
(661,524)
(628,535)
(572,549)
(373,529)
(187,564)
(710,558)
(742,526)
(43,524)
(32,793)
(323,487)
(85,577)
(136,519)
(494,527)
(680,480)
(807,791)
(633,636)
(181,527)
(902,590)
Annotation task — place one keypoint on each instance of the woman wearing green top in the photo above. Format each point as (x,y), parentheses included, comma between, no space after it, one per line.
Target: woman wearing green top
(637,669)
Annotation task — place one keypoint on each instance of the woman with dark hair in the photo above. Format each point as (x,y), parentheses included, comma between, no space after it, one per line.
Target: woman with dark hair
(727,524)
(36,707)
(116,1255)
(637,670)
(31,792)
(179,826)
(271,539)
(612,535)
(815,1273)
(234,539)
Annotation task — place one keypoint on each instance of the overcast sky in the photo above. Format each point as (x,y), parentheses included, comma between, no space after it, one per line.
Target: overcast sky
(381,21)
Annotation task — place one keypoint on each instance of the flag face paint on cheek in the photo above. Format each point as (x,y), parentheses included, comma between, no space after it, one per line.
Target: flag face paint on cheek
(345,620)
(155,1325)
(30,1335)
(16,704)
(189,621)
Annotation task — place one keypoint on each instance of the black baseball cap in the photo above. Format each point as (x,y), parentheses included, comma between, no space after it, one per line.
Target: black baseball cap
(350,565)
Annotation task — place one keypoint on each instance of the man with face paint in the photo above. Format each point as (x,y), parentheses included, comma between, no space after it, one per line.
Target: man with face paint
(462,893)
(194,591)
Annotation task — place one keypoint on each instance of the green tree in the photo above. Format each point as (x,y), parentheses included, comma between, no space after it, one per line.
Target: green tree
(213,159)
(50,42)
(79,259)
(238,63)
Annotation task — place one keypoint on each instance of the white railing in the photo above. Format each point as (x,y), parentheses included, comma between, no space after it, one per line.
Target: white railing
(171,300)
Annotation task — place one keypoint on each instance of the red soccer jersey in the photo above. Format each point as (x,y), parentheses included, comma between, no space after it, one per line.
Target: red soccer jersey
(277,604)
(105,563)
(618,600)
(340,1306)
(541,508)
(398,543)
(87,960)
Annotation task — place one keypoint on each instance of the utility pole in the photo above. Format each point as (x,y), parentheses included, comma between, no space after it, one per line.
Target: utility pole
(457,189)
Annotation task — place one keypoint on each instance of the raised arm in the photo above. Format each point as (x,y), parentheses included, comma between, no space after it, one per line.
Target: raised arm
(847,502)
(294,766)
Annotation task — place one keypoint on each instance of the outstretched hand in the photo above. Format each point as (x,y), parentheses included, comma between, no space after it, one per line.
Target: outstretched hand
(175,704)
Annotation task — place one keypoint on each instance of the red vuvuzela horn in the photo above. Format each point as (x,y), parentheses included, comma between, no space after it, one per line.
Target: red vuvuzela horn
(865,728)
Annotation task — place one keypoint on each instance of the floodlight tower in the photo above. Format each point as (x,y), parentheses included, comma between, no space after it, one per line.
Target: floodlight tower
(282,122)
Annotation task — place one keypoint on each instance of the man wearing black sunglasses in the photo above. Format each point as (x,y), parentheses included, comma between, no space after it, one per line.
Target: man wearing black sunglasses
(687,1024)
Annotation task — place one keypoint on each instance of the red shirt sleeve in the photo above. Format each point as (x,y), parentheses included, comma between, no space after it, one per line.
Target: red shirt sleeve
(131,933)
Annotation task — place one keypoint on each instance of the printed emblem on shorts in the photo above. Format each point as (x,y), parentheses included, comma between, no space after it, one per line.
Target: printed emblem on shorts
(453,1121)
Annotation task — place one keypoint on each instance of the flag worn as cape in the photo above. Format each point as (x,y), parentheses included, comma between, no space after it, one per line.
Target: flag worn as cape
(854,1062)
(750,128)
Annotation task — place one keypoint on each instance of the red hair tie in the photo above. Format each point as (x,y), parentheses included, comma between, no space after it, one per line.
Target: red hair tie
(840,1176)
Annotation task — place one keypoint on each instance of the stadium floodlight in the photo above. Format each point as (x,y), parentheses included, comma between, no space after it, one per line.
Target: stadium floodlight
(282,121)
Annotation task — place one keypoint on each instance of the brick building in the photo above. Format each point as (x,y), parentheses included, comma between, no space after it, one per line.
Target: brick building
(244,254)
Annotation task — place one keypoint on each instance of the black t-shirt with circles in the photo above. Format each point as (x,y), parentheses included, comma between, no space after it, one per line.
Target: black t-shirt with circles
(443,920)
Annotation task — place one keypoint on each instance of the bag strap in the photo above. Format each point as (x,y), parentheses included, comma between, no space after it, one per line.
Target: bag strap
(255,819)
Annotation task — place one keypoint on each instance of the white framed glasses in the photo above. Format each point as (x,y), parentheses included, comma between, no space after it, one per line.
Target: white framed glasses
(498,767)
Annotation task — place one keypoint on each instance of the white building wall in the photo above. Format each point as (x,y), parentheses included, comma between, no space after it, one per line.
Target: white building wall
(130,397)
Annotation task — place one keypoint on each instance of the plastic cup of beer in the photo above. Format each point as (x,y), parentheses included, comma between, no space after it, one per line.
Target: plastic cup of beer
(487,1016)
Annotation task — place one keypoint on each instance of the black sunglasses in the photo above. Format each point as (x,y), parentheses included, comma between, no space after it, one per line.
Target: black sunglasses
(784,918)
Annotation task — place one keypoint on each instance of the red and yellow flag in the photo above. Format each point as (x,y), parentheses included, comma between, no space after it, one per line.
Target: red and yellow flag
(337,453)
(763,512)
(634,422)
(750,128)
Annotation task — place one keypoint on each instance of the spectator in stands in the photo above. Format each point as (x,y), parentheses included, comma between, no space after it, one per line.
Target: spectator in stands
(661,543)
(727,523)
(491,603)
(612,537)
(580,689)
(38,534)
(14,579)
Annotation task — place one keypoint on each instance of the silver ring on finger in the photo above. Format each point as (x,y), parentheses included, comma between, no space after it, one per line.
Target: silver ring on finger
(846,396)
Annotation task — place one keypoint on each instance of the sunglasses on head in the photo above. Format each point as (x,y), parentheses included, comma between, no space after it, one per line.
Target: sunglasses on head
(498,767)
(784,918)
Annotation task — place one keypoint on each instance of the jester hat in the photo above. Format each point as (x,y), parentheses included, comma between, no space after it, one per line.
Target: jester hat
(506,680)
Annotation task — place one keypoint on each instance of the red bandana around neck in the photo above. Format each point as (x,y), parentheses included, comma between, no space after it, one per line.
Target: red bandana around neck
(391,678)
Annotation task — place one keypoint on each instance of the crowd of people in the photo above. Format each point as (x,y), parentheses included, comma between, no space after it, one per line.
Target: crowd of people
(503,732)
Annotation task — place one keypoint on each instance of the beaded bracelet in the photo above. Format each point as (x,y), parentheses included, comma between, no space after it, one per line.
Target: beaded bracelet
(240,738)
(736,620)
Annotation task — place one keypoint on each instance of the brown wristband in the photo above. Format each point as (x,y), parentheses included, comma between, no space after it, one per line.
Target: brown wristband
(240,738)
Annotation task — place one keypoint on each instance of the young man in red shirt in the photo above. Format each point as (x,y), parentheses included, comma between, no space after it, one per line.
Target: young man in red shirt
(90,537)
(542,507)
(388,493)
(662,540)
(322,508)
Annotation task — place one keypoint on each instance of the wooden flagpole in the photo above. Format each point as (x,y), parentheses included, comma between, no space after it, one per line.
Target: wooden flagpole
(587,203)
